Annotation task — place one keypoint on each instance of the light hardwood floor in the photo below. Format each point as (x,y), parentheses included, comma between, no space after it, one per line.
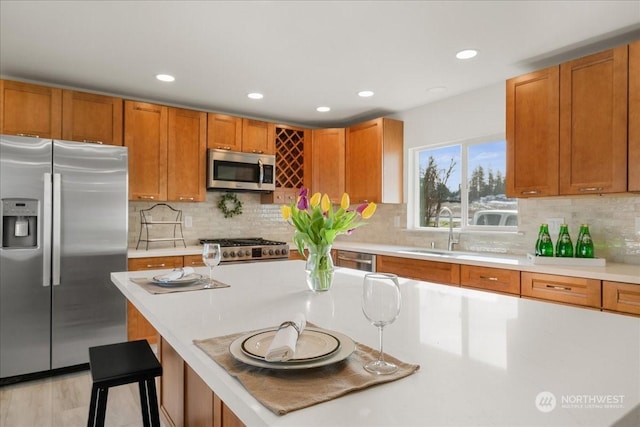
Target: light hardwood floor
(64,401)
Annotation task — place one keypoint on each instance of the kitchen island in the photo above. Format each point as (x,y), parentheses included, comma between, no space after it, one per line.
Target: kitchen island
(485,359)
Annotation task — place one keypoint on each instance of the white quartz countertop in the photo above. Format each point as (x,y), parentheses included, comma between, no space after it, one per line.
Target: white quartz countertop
(626,273)
(484,357)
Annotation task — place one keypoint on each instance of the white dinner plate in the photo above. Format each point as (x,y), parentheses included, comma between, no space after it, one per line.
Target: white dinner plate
(312,345)
(189,279)
(347,346)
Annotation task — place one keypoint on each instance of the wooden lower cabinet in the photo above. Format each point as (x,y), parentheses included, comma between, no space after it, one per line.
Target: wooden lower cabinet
(491,279)
(563,289)
(621,297)
(185,399)
(295,254)
(193,261)
(429,271)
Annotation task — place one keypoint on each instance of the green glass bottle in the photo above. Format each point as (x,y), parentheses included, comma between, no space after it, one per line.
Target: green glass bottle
(584,246)
(544,245)
(564,246)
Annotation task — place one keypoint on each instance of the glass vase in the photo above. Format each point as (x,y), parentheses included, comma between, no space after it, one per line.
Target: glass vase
(319,269)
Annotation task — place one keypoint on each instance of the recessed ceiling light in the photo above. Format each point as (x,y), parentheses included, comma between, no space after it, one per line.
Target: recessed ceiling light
(323,109)
(365,93)
(255,95)
(466,54)
(436,89)
(165,78)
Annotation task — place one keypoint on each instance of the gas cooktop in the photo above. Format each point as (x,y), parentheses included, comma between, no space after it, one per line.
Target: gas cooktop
(249,249)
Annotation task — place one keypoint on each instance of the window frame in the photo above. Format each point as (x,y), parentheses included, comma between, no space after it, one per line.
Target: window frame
(413,186)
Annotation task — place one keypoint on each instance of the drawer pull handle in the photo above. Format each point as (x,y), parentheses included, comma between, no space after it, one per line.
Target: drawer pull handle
(257,151)
(583,189)
(529,192)
(91,141)
(220,147)
(186,198)
(493,279)
(155,265)
(30,135)
(559,288)
(146,197)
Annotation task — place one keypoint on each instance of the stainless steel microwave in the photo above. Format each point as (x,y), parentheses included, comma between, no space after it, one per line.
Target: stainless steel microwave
(230,170)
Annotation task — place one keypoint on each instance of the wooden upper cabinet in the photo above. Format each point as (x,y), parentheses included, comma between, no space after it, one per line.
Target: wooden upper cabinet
(187,149)
(145,136)
(224,132)
(328,162)
(258,137)
(532,129)
(30,110)
(634,117)
(373,162)
(88,117)
(593,123)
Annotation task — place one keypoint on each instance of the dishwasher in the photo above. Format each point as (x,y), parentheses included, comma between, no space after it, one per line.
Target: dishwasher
(356,260)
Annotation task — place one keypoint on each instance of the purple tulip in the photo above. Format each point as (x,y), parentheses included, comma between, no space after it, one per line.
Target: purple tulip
(361,208)
(304,192)
(303,203)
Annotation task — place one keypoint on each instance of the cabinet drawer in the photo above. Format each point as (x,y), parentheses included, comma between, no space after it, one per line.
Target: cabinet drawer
(193,261)
(154,263)
(571,290)
(623,297)
(429,271)
(492,279)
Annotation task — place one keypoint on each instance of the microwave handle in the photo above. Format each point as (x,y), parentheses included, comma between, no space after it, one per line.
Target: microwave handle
(261,167)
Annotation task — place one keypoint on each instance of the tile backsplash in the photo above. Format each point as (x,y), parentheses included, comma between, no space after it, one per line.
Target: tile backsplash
(613,221)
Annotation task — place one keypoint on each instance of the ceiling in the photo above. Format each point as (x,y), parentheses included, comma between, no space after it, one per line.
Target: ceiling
(299,54)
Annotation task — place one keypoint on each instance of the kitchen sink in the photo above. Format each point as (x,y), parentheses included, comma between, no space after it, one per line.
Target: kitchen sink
(434,252)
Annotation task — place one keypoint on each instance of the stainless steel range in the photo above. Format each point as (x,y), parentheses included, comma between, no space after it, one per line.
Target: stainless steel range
(250,249)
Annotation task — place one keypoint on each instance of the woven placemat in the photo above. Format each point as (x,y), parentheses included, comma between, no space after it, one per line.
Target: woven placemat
(152,288)
(284,391)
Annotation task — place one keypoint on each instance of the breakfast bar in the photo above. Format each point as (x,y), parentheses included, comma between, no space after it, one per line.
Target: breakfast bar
(484,358)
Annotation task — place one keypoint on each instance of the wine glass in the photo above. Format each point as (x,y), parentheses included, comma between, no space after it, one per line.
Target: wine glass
(381,306)
(211,257)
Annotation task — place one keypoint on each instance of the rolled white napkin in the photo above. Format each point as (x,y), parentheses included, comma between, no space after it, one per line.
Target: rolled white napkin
(176,274)
(283,345)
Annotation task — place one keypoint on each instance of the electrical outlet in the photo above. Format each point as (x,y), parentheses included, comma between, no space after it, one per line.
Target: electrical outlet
(554,224)
(188,221)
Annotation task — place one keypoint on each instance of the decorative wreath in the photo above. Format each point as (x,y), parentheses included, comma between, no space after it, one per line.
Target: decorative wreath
(223,205)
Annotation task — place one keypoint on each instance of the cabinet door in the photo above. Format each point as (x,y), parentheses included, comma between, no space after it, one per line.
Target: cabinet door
(172,384)
(87,117)
(634,116)
(186,161)
(224,132)
(564,289)
(198,400)
(137,326)
(30,110)
(622,297)
(491,279)
(327,154)
(145,134)
(593,123)
(532,128)
(258,137)
(429,271)
(373,165)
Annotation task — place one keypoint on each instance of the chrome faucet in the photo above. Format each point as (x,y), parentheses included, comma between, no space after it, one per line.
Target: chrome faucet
(451,241)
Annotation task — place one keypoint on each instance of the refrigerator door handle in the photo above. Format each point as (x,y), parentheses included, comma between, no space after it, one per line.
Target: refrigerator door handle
(55,263)
(46,231)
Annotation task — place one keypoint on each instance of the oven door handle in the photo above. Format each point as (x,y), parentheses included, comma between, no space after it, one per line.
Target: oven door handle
(356,260)
(261,168)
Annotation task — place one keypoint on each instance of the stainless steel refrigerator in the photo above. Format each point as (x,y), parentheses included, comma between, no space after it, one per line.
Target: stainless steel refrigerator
(64,229)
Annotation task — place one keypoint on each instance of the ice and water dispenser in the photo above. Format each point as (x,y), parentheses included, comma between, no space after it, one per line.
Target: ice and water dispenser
(19,223)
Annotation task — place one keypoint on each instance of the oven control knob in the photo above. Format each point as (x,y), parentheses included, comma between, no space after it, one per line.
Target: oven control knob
(284,251)
(225,254)
(247,252)
(232,254)
(270,251)
(277,251)
(264,252)
(239,254)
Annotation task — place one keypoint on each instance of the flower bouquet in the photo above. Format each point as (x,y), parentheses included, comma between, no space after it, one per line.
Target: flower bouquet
(317,225)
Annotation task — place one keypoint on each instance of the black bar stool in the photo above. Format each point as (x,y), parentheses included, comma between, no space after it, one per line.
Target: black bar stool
(124,363)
